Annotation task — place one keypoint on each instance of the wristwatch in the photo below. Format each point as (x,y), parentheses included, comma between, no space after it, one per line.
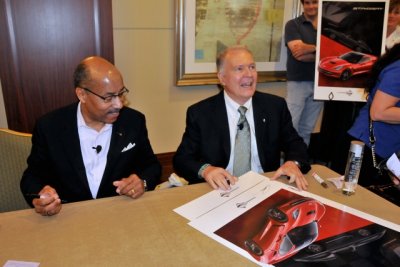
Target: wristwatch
(297,163)
(304,167)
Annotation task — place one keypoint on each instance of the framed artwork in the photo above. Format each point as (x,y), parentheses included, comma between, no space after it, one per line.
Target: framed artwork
(205,27)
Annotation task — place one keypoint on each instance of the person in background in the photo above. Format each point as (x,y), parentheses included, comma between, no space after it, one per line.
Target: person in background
(383,107)
(91,149)
(300,38)
(208,149)
(393,27)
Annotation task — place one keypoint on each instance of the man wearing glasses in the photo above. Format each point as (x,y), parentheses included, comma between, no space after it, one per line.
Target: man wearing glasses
(91,149)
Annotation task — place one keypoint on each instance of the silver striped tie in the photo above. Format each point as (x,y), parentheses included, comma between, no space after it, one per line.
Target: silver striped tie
(242,153)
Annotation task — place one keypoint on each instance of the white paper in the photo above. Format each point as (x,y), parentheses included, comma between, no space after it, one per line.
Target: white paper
(210,212)
(11,263)
(393,165)
(216,198)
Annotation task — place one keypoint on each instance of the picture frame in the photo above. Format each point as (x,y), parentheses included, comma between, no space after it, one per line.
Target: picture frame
(204,27)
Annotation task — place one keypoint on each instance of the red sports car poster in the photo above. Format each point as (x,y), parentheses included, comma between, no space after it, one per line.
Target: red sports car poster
(350,40)
(288,229)
(273,224)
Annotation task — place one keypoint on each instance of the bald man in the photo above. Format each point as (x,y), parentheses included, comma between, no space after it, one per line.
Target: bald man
(91,149)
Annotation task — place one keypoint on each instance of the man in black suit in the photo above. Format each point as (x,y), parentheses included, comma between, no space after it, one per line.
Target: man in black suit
(91,149)
(207,148)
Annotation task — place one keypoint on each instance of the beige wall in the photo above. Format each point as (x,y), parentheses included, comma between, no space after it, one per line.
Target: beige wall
(144,52)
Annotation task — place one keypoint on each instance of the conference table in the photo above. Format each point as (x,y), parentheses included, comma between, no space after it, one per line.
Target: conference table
(119,231)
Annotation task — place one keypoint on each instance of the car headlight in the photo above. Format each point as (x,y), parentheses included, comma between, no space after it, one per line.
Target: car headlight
(338,68)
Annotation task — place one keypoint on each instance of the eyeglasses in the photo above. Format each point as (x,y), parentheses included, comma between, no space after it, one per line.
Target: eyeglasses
(110,97)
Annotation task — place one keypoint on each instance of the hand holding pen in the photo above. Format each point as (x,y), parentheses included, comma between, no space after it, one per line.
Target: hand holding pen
(47,202)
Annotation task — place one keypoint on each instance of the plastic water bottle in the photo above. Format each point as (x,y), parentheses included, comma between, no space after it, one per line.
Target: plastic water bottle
(353,167)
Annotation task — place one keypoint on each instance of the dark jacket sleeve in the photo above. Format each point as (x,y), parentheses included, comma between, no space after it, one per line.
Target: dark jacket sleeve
(188,159)
(293,145)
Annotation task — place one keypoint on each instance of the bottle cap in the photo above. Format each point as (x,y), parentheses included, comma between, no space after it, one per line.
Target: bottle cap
(357,147)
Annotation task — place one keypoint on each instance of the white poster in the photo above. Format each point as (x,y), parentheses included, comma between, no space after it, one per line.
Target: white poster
(271,223)
(350,39)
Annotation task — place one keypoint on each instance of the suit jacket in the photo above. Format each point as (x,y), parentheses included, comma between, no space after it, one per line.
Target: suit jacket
(56,157)
(206,138)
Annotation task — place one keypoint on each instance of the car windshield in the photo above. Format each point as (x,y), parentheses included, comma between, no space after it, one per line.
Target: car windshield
(299,237)
(351,57)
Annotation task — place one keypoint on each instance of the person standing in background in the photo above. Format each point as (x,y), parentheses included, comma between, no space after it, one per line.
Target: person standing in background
(300,39)
(393,27)
(383,108)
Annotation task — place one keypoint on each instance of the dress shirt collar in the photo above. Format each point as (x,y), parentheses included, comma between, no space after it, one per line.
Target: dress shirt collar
(82,123)
(232,105)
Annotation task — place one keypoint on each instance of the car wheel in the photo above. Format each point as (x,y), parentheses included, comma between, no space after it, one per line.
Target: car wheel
(315,248)
(277,215)
(346,74)
(364,232)
(253,247)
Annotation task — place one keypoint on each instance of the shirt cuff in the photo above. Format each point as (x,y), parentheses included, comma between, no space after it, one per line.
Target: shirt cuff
(201,170)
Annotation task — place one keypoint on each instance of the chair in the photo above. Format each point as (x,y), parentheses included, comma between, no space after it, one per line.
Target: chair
(14,150)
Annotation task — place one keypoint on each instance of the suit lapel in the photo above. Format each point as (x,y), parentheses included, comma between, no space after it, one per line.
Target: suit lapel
(220,116)
(118,136)
(260,123)
(69,137)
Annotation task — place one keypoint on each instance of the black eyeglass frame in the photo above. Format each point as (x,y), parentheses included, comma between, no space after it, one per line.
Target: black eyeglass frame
(109,98)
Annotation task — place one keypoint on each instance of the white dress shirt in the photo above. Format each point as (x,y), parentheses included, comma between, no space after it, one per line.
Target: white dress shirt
(233,118)
(95,162)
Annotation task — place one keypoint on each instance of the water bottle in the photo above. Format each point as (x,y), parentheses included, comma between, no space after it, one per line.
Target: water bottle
(353,167)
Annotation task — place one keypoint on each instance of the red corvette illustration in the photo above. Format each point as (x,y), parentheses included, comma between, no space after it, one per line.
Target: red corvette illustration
(289,228)
(347,65)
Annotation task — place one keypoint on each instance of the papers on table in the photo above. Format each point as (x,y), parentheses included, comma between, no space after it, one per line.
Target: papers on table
(393,164)
(11,263)
(218,209)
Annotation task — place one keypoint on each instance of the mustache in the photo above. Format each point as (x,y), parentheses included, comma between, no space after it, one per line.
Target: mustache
(114,110)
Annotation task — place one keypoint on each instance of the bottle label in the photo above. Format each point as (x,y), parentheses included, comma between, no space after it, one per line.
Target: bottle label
(352,173)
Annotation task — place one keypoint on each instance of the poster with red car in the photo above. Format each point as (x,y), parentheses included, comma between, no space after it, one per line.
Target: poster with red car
(275,224)
(288,229)
(350,39)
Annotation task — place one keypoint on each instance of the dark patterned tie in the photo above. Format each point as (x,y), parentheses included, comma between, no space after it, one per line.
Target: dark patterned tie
(242,153)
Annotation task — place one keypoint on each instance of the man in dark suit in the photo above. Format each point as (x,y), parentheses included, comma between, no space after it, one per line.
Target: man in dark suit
(207,148)
(91,149)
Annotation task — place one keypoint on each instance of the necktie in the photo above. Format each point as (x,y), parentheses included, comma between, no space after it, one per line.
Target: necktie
(242,153)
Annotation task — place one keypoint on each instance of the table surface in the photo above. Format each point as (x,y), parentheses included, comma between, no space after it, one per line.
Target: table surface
(119,231)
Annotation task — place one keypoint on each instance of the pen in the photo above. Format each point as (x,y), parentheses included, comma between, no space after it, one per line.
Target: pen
(319,180)
(38,196)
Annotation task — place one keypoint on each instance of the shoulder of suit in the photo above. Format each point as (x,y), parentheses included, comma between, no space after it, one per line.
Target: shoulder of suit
(210,101)
(128,112)
(60,113)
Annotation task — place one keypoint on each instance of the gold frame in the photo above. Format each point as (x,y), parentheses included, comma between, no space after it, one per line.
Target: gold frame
(183,78)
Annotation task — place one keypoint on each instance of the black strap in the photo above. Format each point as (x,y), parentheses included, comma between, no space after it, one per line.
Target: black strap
(372,138)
